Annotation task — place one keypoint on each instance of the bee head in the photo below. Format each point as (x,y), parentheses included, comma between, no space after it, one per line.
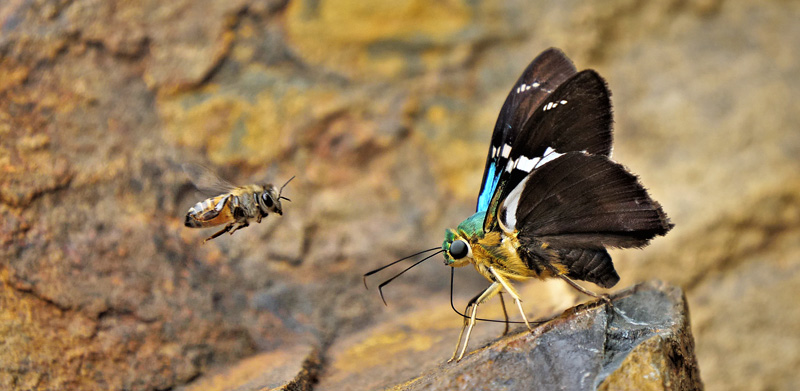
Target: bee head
(270,200)
(457,250)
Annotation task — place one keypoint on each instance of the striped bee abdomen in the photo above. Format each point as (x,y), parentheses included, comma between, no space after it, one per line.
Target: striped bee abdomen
(209,212)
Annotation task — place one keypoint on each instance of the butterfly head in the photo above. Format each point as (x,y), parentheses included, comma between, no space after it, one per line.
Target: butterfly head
(457,249)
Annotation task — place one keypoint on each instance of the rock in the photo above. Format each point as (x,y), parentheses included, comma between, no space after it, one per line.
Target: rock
(383,111)
(292,368)
(644,343)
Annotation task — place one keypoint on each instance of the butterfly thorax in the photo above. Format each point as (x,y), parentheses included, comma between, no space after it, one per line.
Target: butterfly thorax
(495,249)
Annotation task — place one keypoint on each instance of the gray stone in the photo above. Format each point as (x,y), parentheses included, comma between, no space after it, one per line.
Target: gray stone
(584,347)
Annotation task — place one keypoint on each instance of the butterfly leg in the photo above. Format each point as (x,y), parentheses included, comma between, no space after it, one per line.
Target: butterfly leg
(513,293)
(505,313)
(585,291)
(470,304)
(488,293)
(222,231)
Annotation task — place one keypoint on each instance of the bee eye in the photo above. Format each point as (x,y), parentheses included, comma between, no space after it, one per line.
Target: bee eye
(267,200)
(459,249)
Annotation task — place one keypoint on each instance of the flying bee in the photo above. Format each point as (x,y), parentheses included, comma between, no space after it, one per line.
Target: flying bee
(235,206)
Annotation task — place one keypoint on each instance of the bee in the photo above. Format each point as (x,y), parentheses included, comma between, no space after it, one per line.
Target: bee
(235,206)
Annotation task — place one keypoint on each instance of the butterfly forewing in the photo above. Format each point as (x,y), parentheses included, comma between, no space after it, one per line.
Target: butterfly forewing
(542,76)
(575,117)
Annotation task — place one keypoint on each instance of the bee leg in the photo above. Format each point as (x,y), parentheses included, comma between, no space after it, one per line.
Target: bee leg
(240,225)
(505,313)
(488,293)
(513,293)
(226,229)
(585,291)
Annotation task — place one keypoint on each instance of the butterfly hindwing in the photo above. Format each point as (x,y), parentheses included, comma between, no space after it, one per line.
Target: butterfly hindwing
(575,117)
(570,209)
(542,76)
(584,201)
(591,265)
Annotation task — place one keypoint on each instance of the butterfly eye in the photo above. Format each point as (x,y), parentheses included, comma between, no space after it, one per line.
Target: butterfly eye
(459,249)
(267,200)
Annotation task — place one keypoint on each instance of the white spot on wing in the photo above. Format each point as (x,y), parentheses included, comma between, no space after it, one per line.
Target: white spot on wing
(525,164)
(509,207)
(527,87)
(506,150)
(510,166)
(550,154)
(553,105)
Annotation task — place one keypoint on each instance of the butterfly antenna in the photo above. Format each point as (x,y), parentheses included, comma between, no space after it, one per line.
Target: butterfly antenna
(380,287)
(395,262)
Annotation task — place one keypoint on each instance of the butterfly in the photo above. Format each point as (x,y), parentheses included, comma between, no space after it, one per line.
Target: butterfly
(551,201)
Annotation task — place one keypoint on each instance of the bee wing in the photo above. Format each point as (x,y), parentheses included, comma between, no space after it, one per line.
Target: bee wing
(206,181)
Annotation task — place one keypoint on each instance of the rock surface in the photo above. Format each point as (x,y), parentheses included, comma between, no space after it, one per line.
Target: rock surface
(291,368)
(644,343)
(384,113)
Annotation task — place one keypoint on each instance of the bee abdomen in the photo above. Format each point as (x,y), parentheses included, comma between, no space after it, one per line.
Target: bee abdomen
(191,221)
(202,213)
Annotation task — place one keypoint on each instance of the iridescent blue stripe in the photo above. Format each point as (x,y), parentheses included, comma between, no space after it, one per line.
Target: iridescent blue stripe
(488,189)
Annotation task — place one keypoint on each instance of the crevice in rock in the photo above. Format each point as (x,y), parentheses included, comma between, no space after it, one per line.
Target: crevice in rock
(309,374)
(30,291)
(123,313)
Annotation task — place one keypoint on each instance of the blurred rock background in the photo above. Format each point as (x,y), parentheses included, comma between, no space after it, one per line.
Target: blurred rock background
(383,110)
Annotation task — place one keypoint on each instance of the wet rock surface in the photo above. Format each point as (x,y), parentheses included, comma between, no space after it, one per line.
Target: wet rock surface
(384,113)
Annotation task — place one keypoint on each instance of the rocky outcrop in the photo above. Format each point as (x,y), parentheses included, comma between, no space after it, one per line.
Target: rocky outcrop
(383,112)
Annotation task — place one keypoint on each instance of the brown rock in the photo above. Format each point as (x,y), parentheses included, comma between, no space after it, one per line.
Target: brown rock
(292,368)
(384,113)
